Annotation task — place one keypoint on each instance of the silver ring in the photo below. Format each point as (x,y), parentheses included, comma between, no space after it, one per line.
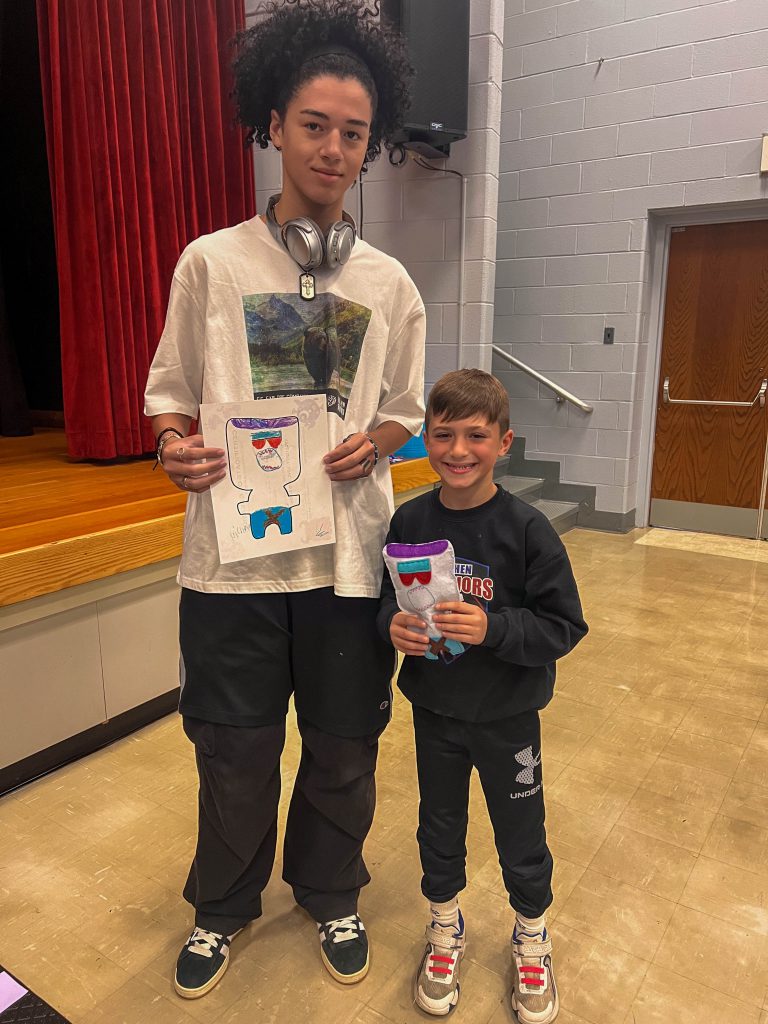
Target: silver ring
(180,454)
(184,482)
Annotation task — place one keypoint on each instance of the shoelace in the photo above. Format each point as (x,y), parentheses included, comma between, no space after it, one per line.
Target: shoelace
(344,928)
(201,941)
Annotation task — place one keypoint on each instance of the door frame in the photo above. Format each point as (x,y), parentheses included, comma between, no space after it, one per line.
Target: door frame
(659,233)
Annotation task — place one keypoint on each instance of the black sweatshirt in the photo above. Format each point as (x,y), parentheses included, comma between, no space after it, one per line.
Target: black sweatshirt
(511,561)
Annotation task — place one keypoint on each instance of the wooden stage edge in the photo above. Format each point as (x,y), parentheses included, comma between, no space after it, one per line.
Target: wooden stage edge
(65,523)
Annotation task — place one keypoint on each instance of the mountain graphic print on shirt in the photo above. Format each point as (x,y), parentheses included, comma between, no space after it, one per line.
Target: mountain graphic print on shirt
(298,348)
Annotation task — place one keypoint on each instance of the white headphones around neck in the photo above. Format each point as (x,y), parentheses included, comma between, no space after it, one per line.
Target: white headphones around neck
(306,243)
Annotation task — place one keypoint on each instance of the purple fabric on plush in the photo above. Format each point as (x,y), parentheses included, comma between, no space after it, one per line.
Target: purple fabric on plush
(433,547)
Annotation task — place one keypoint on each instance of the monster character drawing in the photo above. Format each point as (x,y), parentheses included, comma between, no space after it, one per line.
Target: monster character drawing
(321,355)
(264,458)
(424,575)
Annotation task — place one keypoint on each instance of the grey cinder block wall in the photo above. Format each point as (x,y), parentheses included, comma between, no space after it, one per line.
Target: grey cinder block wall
(611,109)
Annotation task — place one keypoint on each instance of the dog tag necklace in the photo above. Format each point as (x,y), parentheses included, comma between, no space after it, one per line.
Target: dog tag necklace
(307,286)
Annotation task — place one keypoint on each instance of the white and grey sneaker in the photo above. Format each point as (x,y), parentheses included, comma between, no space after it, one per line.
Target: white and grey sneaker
(202,962)
(534,992)
(436,988)
(344,948)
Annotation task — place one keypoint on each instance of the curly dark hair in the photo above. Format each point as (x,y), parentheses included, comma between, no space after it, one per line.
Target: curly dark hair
(276,57)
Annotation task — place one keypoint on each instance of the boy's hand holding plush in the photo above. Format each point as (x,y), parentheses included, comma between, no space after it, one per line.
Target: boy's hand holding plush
(461,620)
(457,620)
(408,634)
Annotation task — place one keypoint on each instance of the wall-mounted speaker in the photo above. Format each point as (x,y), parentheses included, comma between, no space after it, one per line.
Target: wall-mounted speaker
(437,35)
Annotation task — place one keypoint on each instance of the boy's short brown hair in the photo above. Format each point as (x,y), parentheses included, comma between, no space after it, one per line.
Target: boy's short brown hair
(463,393)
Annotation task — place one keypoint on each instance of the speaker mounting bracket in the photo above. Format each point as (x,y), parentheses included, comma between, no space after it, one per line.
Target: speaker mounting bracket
(431,151)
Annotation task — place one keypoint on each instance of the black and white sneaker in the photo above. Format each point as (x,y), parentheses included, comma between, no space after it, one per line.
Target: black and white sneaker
(344,949)
(202,963)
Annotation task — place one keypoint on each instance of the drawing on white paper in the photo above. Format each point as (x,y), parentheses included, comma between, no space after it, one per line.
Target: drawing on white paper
(276,496)
(264,458)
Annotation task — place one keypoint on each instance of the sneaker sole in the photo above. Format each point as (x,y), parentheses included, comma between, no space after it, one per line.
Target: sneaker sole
(196,993)
(435,1012)
(520,1020)
(346,979)
(443,1012)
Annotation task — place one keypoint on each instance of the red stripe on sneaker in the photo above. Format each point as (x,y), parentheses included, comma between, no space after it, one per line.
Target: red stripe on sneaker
(531,978)
(440,970)
(442,959)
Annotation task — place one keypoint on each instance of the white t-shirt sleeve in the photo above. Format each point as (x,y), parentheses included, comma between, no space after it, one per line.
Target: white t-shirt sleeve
(175,379)
(402,385)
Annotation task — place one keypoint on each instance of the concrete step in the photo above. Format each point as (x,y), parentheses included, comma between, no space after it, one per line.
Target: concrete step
(543,476)
(562,514)
(527,487)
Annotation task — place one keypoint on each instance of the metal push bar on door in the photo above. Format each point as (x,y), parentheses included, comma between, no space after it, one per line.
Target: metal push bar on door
(759,398)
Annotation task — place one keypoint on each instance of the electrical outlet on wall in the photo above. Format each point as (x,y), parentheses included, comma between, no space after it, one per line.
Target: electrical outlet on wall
(608,335)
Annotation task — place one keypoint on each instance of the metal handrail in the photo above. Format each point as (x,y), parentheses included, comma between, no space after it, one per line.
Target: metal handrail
(759,398)
(561,395)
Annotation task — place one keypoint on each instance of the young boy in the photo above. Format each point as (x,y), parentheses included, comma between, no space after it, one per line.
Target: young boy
(480,708)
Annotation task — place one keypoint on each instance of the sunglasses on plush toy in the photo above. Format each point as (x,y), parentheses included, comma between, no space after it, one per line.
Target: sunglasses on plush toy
(419,570)
(407,578)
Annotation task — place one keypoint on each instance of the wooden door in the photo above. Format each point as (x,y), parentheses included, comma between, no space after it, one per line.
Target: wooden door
(708,459)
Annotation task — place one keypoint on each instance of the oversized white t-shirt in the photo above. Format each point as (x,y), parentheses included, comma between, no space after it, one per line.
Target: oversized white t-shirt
(234,330)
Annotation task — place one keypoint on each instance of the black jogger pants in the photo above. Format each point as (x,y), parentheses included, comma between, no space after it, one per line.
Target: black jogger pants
(507,755)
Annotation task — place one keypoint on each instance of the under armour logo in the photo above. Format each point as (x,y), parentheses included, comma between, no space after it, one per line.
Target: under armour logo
(525,757)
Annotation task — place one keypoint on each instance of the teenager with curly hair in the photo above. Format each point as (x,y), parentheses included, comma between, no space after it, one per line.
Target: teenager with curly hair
(326,84)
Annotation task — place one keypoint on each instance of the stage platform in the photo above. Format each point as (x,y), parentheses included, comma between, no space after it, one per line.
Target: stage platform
(64,523)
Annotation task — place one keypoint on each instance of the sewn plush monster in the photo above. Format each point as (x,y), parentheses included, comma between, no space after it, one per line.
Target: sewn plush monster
(424,575)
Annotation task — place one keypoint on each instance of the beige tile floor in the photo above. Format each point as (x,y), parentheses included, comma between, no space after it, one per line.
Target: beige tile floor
(656,767)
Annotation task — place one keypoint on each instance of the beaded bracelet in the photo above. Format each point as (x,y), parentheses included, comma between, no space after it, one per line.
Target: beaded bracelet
(162,440)
(375,451)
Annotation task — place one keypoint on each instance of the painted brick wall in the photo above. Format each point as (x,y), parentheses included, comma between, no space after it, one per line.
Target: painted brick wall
(611,109)
(413,214)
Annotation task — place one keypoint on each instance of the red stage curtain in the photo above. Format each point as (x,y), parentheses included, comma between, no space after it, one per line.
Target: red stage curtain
(144,156)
